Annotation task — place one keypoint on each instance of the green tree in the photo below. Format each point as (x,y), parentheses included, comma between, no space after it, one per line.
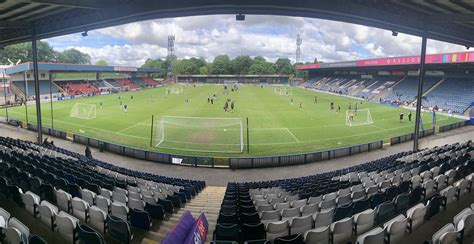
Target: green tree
(241,64)
(101,62)
(23,52)
(283,66)
(74,56)
(221,65)
(203,70)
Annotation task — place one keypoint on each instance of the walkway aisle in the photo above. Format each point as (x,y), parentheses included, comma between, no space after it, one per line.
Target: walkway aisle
(208,202)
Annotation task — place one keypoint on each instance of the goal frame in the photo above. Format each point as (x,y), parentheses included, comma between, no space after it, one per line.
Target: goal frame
(174,90)
(161,135)
(368,120)
(283,91)
(93,108)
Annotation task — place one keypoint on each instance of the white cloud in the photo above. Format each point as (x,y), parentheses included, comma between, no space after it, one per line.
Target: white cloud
(268,36)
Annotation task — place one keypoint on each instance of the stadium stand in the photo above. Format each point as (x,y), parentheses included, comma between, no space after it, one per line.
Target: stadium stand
(113,83)
(78,87)
(127,83)
(406,90)
(150,81)
(454,94)
(44,87)
(139,82)
(376,202)
(84,199)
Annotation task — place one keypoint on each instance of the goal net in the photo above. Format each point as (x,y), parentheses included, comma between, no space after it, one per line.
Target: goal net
(358,117)
(83,111)
(175,90)
(222,135)
(283,91)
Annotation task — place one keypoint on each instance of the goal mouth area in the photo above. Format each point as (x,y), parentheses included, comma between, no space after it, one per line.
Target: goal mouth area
(83,111)
(200,134)
(359,117)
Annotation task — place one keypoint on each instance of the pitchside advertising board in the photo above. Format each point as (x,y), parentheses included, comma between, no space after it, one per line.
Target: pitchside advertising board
(188,230)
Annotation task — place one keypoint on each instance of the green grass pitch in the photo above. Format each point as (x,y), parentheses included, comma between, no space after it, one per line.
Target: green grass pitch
(276,126)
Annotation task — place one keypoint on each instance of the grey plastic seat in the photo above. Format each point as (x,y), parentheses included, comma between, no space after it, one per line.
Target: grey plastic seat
(13,235)
(103,203)
(97,219)
(396,228)
(357,195)
(416,181)
(88,196)
(446,235)
(120,191)
(327,204)
(67,225)
(105,193)
(451,174)
(149,199)
(277,229)
(63,199)
(23,229)
(343,200)
(270,216)
(119,210)
(135,203)
(291,198)
(267,207)
(416,216)
(276,200)
(330,196)
(290,213)
(135,195)
(317,199)
(374,236)
(441,182)
(31,201)
(341,230)
(47,213)
(119,197)
(80,209)
(309,209)
(281,206)
(300,225)
(323,218)
(450,194)
(364,221)
(463,186)
(464,222)
(318,235)
(5,214)
(298,203)
(429,188)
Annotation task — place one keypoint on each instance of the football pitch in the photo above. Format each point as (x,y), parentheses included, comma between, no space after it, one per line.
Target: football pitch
(276,125)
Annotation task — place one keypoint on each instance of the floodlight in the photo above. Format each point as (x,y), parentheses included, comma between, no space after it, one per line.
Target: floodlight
(394,33)
(84,33)
(240,17)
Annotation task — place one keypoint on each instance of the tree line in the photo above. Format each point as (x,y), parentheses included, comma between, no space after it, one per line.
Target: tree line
(46,53)
(222,64)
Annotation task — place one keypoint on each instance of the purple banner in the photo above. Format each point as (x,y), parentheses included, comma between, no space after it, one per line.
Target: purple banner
(199,231)
(181,230)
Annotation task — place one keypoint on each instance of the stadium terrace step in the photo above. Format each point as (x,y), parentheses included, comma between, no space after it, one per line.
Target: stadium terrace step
(208,202)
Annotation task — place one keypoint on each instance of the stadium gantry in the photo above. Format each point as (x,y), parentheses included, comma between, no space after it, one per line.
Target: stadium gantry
(399,198)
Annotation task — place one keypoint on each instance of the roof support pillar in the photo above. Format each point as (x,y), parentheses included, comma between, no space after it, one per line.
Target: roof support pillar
(37,89)
(420,92)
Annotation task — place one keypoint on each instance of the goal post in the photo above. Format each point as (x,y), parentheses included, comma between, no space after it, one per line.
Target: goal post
(174,90)
(199,134)
(283,91)
(358,117)
(83,111)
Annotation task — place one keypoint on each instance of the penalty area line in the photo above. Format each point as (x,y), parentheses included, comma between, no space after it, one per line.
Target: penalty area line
(292,135)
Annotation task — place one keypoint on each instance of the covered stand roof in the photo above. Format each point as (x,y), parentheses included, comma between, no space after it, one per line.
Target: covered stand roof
(449,20)
(63,68)
(439,60)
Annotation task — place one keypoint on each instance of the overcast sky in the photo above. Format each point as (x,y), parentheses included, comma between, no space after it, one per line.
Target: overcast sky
(269,36)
